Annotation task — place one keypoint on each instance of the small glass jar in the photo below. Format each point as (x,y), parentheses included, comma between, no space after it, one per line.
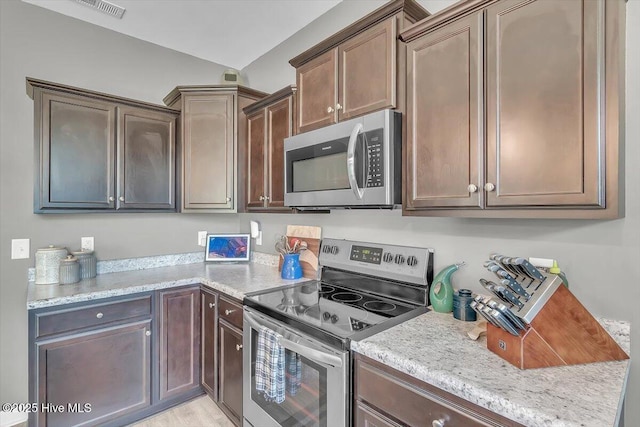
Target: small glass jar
(87,261)
(69,270)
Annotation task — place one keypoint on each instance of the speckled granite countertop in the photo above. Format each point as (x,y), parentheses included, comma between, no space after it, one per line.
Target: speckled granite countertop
(235,280)
(434,348)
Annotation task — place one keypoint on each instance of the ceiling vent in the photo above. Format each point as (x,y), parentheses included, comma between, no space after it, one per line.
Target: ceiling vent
(104,6)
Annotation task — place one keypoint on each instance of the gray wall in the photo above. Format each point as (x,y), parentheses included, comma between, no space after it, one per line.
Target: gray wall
(601,258)
(42,44)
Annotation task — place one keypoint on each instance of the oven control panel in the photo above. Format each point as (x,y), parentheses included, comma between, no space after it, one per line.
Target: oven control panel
(404,263)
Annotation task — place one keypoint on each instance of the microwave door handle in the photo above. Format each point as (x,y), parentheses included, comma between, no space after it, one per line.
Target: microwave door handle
(311,354)
(351,167)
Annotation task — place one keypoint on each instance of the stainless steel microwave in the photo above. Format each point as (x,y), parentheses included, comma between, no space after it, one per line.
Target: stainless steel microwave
(352,164)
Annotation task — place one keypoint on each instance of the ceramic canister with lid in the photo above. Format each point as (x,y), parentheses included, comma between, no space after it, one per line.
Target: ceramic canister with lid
(48,264)
(87,261)
(69,270)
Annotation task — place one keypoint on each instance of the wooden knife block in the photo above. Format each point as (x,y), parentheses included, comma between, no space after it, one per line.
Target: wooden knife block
(562,333)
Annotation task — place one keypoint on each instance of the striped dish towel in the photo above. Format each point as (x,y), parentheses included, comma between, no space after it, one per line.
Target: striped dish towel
(294,372)
(270,366)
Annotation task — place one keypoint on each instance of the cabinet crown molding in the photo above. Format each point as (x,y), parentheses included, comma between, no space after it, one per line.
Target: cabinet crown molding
(413,11)
(274,97)
(177,92)
(33,84)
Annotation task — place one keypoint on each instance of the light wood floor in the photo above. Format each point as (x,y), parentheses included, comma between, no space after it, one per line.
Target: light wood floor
(199,412)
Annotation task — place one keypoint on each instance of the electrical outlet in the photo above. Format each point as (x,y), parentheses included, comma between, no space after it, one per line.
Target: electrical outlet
(202,238)
(86,243)
(19,248)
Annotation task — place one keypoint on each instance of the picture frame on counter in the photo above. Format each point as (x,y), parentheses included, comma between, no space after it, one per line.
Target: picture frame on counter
(227,247)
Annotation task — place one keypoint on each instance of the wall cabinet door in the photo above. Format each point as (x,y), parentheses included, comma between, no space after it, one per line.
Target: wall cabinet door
(179,321)
(444,110)
(545,142)
(317,82)
(367,72)
(256,149)
(279,127)
(230,387)
(75,149)
(108,368)
(146,159)
(209,332)
(208,151)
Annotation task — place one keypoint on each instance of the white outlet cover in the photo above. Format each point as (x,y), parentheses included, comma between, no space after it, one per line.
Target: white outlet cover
(202,238)
(86,243)
(19,248)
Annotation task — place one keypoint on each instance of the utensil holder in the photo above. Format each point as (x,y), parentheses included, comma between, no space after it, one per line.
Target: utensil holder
(561,332)
(291,268)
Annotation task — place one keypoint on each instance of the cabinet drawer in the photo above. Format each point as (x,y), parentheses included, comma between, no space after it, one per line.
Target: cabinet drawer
(94,315)
(409,404)
(230,311)
(367,417)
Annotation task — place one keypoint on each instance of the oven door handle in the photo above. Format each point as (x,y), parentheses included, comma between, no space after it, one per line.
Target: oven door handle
(310,353)
(351,167)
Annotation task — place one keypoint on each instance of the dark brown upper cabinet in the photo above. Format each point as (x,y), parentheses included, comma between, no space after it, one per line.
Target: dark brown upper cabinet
(211,144)
(269,122)
(98,153)
(513,110)
(356,71)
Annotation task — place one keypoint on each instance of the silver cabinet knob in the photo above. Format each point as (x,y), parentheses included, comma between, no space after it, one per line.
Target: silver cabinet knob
(261,198)
(228,312)
(438,423)
(238,347)
(489,186)
(228,199)
(111,198)
(99,315)
(330,110)
(211,305)
(121,198)
(267,198)
(472,188)
(148,333)
(338,107)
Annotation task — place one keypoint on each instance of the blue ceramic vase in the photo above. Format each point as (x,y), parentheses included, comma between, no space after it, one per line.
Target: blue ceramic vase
(291,268)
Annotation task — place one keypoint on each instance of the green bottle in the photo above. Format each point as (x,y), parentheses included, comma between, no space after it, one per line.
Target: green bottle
(441,291)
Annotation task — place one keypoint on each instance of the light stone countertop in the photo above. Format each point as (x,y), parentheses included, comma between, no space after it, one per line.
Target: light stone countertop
(235,280)
(435,348)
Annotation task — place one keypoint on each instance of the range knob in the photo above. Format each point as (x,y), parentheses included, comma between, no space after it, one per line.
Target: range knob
(387,257)
(326,315)
(399,259)
(326,249)
(411,261)
(334,250)
(334,318)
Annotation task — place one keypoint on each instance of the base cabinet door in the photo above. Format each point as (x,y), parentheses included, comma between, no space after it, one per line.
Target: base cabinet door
(230,388)
(209,336)
(93,377)
(179,321)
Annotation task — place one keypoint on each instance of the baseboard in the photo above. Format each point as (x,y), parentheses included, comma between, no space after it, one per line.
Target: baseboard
(8,419)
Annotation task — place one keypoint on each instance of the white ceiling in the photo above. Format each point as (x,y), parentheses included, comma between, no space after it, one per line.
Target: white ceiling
(204,28)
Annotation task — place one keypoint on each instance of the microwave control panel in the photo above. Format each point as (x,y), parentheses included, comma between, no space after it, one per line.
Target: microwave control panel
(375,153)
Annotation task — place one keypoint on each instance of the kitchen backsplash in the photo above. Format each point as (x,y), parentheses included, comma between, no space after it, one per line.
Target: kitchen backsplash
(143,263)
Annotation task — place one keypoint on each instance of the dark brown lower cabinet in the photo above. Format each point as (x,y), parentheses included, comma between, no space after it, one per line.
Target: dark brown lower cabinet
(209,342)
(230,393)
(179,322)
(91,378)
(385,397)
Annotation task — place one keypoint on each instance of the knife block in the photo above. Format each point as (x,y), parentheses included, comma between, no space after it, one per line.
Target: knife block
(562,332)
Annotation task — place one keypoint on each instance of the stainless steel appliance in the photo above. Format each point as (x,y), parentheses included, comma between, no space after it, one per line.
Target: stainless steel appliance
(364,288)
(352,164)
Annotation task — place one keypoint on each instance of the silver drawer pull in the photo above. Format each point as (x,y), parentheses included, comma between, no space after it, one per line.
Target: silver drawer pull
(148,333)
(438,423)
(99,315)
(228,312)
(211,305)
(238,347)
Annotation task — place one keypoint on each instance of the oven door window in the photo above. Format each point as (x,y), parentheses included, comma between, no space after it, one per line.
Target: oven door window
(305,397)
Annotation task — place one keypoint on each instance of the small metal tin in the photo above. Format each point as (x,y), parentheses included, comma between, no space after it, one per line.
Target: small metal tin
(462,306)
(87,261)
(48,264)
(69,270)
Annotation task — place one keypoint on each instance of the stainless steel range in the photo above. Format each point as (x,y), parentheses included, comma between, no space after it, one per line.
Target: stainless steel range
(296,338)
